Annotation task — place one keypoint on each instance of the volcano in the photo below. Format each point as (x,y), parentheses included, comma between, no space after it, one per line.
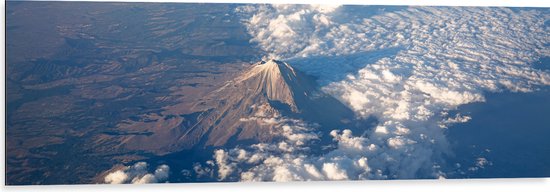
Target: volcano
(241,110)
(244,109)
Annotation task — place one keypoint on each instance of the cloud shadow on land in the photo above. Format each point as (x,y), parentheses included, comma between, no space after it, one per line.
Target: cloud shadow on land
(328,69)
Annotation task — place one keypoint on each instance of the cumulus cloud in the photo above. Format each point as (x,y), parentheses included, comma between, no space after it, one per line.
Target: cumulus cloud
(291,158)
(408,67)
(480,163)
(117,177)
(138,174)
(284,23)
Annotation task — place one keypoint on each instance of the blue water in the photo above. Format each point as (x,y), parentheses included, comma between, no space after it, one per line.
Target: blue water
(511,130)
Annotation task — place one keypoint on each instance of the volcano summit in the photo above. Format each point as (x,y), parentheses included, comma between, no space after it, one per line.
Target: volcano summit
(245,110)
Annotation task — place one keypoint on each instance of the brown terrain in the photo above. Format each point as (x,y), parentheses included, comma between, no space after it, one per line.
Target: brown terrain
(235,113)
(95,86)
(79,73)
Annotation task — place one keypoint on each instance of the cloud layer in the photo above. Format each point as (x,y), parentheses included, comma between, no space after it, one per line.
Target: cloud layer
(138,174)
(408,67)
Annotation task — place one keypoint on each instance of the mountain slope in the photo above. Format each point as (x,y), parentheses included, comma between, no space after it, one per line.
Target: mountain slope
(245,110)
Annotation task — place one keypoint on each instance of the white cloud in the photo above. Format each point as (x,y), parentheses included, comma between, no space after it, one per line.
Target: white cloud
(407,67)
(147,178)
(117,177)
(162,172)
(138,174)
(334,172)
(480,163)
(291,158)
(224,168)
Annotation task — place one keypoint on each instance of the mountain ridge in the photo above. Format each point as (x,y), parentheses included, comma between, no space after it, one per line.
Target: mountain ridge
(246,110)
